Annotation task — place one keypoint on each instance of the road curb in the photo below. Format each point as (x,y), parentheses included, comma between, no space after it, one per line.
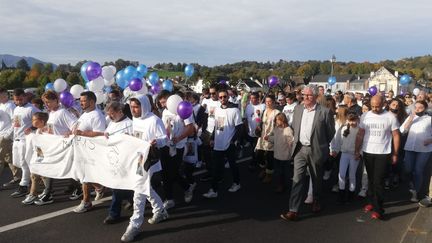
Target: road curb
(420,228)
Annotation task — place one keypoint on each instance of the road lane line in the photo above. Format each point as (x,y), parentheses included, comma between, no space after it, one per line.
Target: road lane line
(70,209)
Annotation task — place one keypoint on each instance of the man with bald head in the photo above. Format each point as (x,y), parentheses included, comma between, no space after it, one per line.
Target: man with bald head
(377,129)
(314,128)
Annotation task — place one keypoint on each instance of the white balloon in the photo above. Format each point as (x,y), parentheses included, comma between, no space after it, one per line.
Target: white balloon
(114,69)
(100,97)
(60,85)
(98,83)
(172,102)
(127,93)
(416,91)
(76,91)
(109,82)
(108,73)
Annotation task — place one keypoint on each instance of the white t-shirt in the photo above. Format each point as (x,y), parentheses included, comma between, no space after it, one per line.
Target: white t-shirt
(288,110)
(121,127)
(378,132)
(92,121)
(419,131)
(254,115)
(226,121)
(61,122)
(210,106)
(22,119)
(5,125)
(8,107)
(149,129)
(175,126)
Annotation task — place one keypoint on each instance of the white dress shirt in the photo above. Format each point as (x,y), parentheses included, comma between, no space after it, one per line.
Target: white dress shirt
(306,126)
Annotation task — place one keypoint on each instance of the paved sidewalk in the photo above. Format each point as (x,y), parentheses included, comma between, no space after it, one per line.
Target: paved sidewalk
(420,229)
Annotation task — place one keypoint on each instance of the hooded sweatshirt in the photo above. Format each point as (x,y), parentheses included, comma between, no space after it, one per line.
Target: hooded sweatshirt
(149,127)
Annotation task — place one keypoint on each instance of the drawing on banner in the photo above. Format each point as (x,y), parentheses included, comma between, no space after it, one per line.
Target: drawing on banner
(137,134)
(140,165)
(39,154)
(220,123)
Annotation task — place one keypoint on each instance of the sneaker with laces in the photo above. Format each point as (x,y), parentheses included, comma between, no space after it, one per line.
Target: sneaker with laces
(83,207)
(198,164)
(169,204)
(425,202)
(158,217)
(335,188)
(12,182)
(188,194)
(44,199)
(130,234)
(368,208)
(362,193)
(227,166)
(327,174)
(210,194)
(309,199)
(234,187)
(376,216)
(21,191)
(76,194)
(413,195)
(99,194)
(30,199)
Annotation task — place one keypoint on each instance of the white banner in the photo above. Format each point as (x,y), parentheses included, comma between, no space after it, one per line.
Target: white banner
(115,162)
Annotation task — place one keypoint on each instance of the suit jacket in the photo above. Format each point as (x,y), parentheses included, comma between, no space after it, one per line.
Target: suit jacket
(323,131)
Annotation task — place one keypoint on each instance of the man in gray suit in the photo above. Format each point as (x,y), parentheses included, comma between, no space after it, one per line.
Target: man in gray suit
(314,128)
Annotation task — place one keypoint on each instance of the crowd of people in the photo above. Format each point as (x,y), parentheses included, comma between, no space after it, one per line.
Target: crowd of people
(305,132)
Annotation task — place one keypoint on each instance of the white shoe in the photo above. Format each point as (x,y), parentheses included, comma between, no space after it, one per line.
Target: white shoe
(234,187)
(159,217)
(99,195)
(425,202)
(210,194)
(169,204)
(188,194)
(327,174)
(130,234)
(198,164)
(83,207)
(362,192)
(335,188)
(227,165)
(309,199)
(30,199)
(413,195)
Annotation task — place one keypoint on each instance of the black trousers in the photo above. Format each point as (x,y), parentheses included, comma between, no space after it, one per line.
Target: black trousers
(219,166)
(376,167)
(171,171)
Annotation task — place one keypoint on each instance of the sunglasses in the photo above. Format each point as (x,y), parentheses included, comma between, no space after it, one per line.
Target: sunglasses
(222,97)
(212,93)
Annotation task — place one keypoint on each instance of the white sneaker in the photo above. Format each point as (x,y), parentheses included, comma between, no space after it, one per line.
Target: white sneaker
(362,192)
(335,188)
(309,199)
(99,195)
(198,164)
(130,234)
(83,207)
(327,174)
(210,194)
(234,187)
(188,195)
(169,204)
(159,217)
(227,165)
(413,195)
(30,199)
(425,202)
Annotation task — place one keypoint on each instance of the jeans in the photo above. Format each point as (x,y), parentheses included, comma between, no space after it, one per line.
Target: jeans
(415,164)
(219,166)
(376,167)
(348,161)
(117,198)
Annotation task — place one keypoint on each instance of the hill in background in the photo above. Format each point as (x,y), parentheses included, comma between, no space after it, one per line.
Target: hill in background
(11,60)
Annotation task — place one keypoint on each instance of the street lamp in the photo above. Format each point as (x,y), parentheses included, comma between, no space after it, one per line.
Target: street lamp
(332,60)
(332,80)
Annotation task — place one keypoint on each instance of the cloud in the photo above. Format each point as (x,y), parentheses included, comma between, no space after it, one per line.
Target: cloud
(214,32)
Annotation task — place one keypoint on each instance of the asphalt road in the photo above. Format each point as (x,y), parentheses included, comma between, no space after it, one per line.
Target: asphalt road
(250,215)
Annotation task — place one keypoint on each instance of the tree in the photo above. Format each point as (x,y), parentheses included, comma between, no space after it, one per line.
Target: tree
(23,65)
(73,78)
(49,68)
(305,70)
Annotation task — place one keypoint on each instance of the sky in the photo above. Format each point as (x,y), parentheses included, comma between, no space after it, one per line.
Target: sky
(215,32)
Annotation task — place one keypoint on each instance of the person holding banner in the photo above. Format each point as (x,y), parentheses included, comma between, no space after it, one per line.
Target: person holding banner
(90,124)
(120,124)
(21,120)
(148,127)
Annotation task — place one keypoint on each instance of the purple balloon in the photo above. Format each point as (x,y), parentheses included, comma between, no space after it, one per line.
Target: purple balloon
(66,99)
(273,81)
(93,71)
(155,89)
(184,109)
(222,82)
(373,90)
(135,84)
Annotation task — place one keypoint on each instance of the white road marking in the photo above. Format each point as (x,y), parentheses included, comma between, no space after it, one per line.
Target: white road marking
(69,210)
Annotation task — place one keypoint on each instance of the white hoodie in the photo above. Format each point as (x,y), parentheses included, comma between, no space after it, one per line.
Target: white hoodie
(149,127)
